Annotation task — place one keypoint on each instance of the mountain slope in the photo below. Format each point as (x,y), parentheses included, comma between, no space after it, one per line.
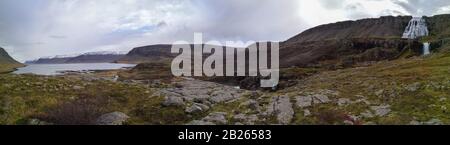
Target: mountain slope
(337,44)
(348,42)
(151,53)
(7,63)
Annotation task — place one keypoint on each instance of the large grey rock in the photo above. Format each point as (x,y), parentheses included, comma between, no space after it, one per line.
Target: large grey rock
(252,104)
(413,87)
(246,119)
(196,108)
(173,101)
(37,122)
(114,118)
(320,98)
(200,122)
(414,122)
(304,101)
(306,113)
(77,87)
(367,114)
(221,96)
(216,118)
(167,92)
(344,101)
(433,122)
(329,92)
(379,93)
(309,100)
(192,90)
(281,107)
(381,110)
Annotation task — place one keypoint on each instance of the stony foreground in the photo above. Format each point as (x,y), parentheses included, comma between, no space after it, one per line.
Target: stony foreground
(407,91)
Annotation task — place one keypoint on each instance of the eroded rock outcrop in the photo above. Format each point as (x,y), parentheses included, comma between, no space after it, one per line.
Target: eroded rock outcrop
(281,107)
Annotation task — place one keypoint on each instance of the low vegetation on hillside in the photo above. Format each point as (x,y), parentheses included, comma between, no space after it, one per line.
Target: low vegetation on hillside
(73,100)
(7,63)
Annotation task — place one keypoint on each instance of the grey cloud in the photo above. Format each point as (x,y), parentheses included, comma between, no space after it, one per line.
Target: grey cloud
(422,7)
(58,36)
(54,27)
(250,19)
(30,43)
(332,4)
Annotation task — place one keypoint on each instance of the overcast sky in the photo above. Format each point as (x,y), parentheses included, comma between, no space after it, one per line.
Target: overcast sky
(30,29)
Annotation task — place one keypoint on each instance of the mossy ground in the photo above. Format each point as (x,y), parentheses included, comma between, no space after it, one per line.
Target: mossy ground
(58,99)
(430,100)
(9,67)
(62,99)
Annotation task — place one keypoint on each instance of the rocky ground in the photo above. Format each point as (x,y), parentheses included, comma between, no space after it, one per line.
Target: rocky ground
(408,91)
(411,91)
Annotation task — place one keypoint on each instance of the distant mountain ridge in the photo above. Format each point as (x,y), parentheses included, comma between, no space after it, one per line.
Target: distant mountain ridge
(89,57)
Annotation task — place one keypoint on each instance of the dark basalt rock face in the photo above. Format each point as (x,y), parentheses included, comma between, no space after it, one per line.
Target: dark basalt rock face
(383,27)
(366,49)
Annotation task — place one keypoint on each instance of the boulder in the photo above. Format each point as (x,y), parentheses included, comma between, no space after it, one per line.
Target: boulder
(413,87)
(221,96)
(114,118)
(216,118)
(281,107)
(246,119)
(37,122)
(200,122)
(319,98)
(344,101)
(381,110)
(252,104)
(433,122)
(173,101)
(77,87)
(303,101)
(196,108)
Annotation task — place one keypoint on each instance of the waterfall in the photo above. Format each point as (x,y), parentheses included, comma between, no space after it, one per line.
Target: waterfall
(417,27)
(426,48)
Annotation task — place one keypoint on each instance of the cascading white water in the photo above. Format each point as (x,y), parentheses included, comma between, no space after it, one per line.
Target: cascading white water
(417,27)
(426,48)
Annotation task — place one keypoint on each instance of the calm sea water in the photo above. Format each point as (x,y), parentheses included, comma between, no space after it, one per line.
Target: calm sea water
(57,69)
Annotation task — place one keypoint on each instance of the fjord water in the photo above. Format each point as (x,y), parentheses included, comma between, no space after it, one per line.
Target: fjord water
(57,69)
